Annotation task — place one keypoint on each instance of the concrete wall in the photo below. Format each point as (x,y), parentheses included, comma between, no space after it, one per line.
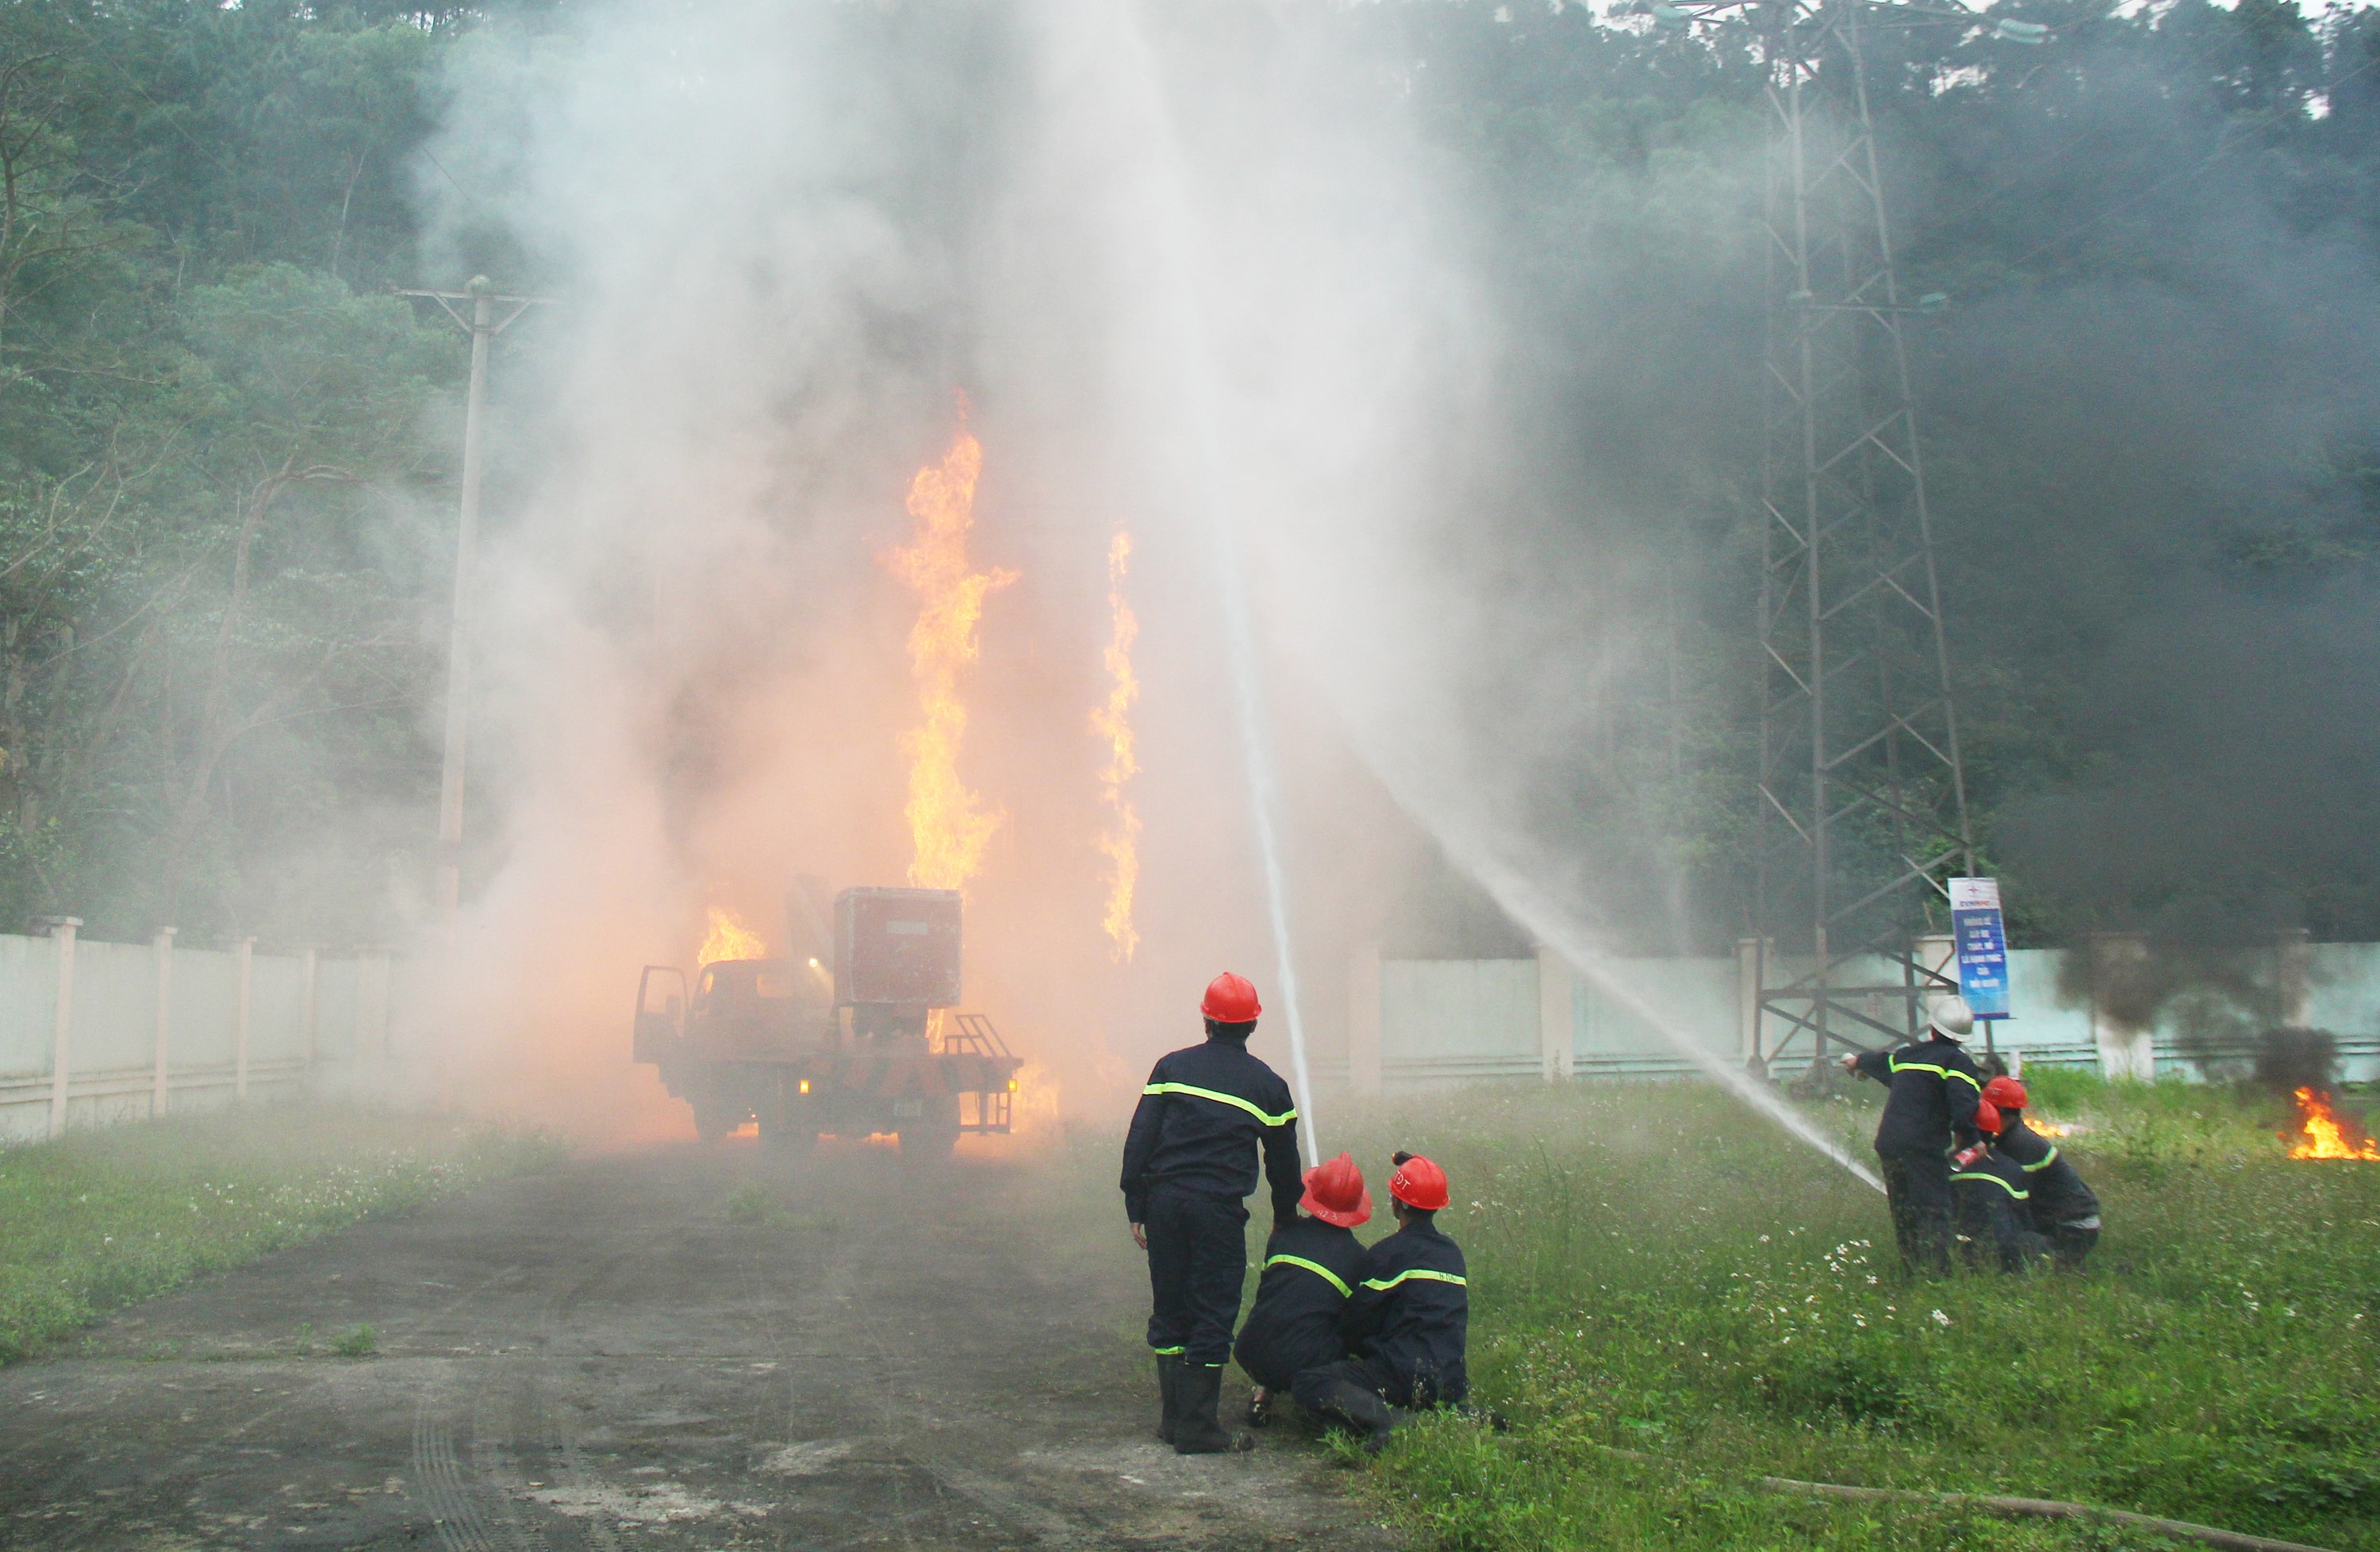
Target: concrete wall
(1415,1023)
(150,1029)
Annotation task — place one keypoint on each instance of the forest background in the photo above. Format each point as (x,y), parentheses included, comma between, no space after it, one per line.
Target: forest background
(2153,406)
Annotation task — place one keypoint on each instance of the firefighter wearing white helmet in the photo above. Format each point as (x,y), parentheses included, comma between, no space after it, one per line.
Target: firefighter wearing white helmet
(1934,1090)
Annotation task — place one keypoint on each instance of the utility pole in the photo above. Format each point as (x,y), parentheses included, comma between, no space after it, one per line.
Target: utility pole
(1861,791)
(482,325)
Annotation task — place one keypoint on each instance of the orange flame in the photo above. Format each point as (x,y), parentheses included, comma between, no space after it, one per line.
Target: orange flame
(2325,1138)
(948,831)
(1121,842)
(730,939)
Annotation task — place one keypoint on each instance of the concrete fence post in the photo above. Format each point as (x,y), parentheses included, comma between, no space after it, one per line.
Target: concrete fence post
(164,946)
(1363,1019)
(310,1005)
(244,952)
(1557,1013)
(371,1005)
(2293,978)
(2119,963)
(62,933)
(1748,966)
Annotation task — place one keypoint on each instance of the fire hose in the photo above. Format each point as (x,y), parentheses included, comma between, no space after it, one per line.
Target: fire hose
(2007,1508)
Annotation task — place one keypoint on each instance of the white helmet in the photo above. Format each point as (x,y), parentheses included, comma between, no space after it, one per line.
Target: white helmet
(1951,1017)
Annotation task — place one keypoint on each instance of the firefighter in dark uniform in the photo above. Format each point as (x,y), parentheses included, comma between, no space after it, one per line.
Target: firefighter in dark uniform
(2063,1207)
(1189,1163)
(1992,1201)
(1311,1266)
(1934,1089)
(1407,1321)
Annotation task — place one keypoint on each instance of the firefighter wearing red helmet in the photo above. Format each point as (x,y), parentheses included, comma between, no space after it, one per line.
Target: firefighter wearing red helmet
(1408,1319)
(1311,1264)
(1990,1201)
(1190,1161)
(2064,1206)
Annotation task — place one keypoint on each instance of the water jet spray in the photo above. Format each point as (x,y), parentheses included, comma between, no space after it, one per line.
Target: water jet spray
(1528,904)
(1191,346)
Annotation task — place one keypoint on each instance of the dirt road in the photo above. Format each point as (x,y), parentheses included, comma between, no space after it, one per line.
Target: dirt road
(611,1355)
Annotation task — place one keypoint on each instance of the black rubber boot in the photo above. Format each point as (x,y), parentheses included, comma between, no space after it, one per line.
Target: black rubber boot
(1169,1390)
(1197,1431)
(1357,1408)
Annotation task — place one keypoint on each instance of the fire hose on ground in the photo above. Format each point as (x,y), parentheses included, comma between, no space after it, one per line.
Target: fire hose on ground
(2007,1508)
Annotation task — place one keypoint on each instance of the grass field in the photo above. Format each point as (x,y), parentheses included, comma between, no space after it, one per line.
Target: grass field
(102,1219)
(1657,1272)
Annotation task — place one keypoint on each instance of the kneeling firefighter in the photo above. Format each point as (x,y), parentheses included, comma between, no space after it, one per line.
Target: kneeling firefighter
(1933,1089)
(1189,1162)
(1407,1321)
(1311,1266)
(1992,1197)
(2064,1206)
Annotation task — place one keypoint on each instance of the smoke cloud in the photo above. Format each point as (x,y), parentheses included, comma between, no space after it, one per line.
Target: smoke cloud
(1458,380)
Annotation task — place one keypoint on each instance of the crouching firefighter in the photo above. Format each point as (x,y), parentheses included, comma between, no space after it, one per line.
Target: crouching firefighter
(1993,1202)
(2063,1207)
(1189,1162)
(1934,1089)
(1311,1266)
(1407,1320)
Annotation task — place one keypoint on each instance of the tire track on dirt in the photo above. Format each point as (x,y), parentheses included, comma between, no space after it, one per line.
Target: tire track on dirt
(550,1405)
(910,1401)
(439,1478)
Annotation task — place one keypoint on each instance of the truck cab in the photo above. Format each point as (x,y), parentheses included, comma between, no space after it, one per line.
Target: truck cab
(876,1045)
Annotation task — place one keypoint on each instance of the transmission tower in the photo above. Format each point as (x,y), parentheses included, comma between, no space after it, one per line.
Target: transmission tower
(1862,799)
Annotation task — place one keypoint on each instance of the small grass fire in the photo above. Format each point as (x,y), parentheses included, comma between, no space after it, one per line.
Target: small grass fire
(2325,1133)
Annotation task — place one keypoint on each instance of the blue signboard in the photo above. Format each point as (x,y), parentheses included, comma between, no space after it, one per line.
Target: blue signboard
(1981,939)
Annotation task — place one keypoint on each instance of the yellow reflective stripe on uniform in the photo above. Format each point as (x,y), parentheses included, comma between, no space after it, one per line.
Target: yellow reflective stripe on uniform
(1325,1273)
(2046,1160)
(2019,1196)
(1167,1351)
(1381,1285)
(1248,1105)
(1944,1074)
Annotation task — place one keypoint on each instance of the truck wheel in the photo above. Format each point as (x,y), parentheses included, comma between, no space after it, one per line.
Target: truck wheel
(930,1141)
(715,1120)
(787,1131)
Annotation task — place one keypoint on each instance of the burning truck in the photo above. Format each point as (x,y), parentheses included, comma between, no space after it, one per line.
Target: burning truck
(859,1037)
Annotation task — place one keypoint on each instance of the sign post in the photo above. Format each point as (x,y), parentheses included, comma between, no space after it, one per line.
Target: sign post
(1982,939)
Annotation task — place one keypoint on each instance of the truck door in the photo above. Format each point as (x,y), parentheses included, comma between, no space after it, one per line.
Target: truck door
(660,1011)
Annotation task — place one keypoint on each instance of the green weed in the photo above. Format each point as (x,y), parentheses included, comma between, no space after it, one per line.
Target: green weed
(1654,1270)
(361,1343)
(102,1218)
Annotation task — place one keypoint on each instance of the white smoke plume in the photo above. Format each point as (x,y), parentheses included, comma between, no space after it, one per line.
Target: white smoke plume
(1198,275)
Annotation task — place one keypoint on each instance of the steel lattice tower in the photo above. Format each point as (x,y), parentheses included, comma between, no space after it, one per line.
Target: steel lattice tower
(1862,799)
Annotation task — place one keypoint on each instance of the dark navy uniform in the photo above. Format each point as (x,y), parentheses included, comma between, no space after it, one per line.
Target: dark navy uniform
(1994,1216)
(2062,1206)
(1408,1324)
(1189,1161)
(1934,1090)
(1310,1268)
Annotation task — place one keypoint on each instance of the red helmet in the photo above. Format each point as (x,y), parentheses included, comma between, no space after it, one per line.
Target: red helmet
(1231,999)
(1335,1194)
(2006,1093)
(1988,1118)
(1419,1183)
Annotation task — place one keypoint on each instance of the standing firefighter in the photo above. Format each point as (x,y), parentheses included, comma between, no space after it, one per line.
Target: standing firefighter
(1311,1266)
(2063,1207)
(1408,1320)
(1934,1088)
(1189,1162)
